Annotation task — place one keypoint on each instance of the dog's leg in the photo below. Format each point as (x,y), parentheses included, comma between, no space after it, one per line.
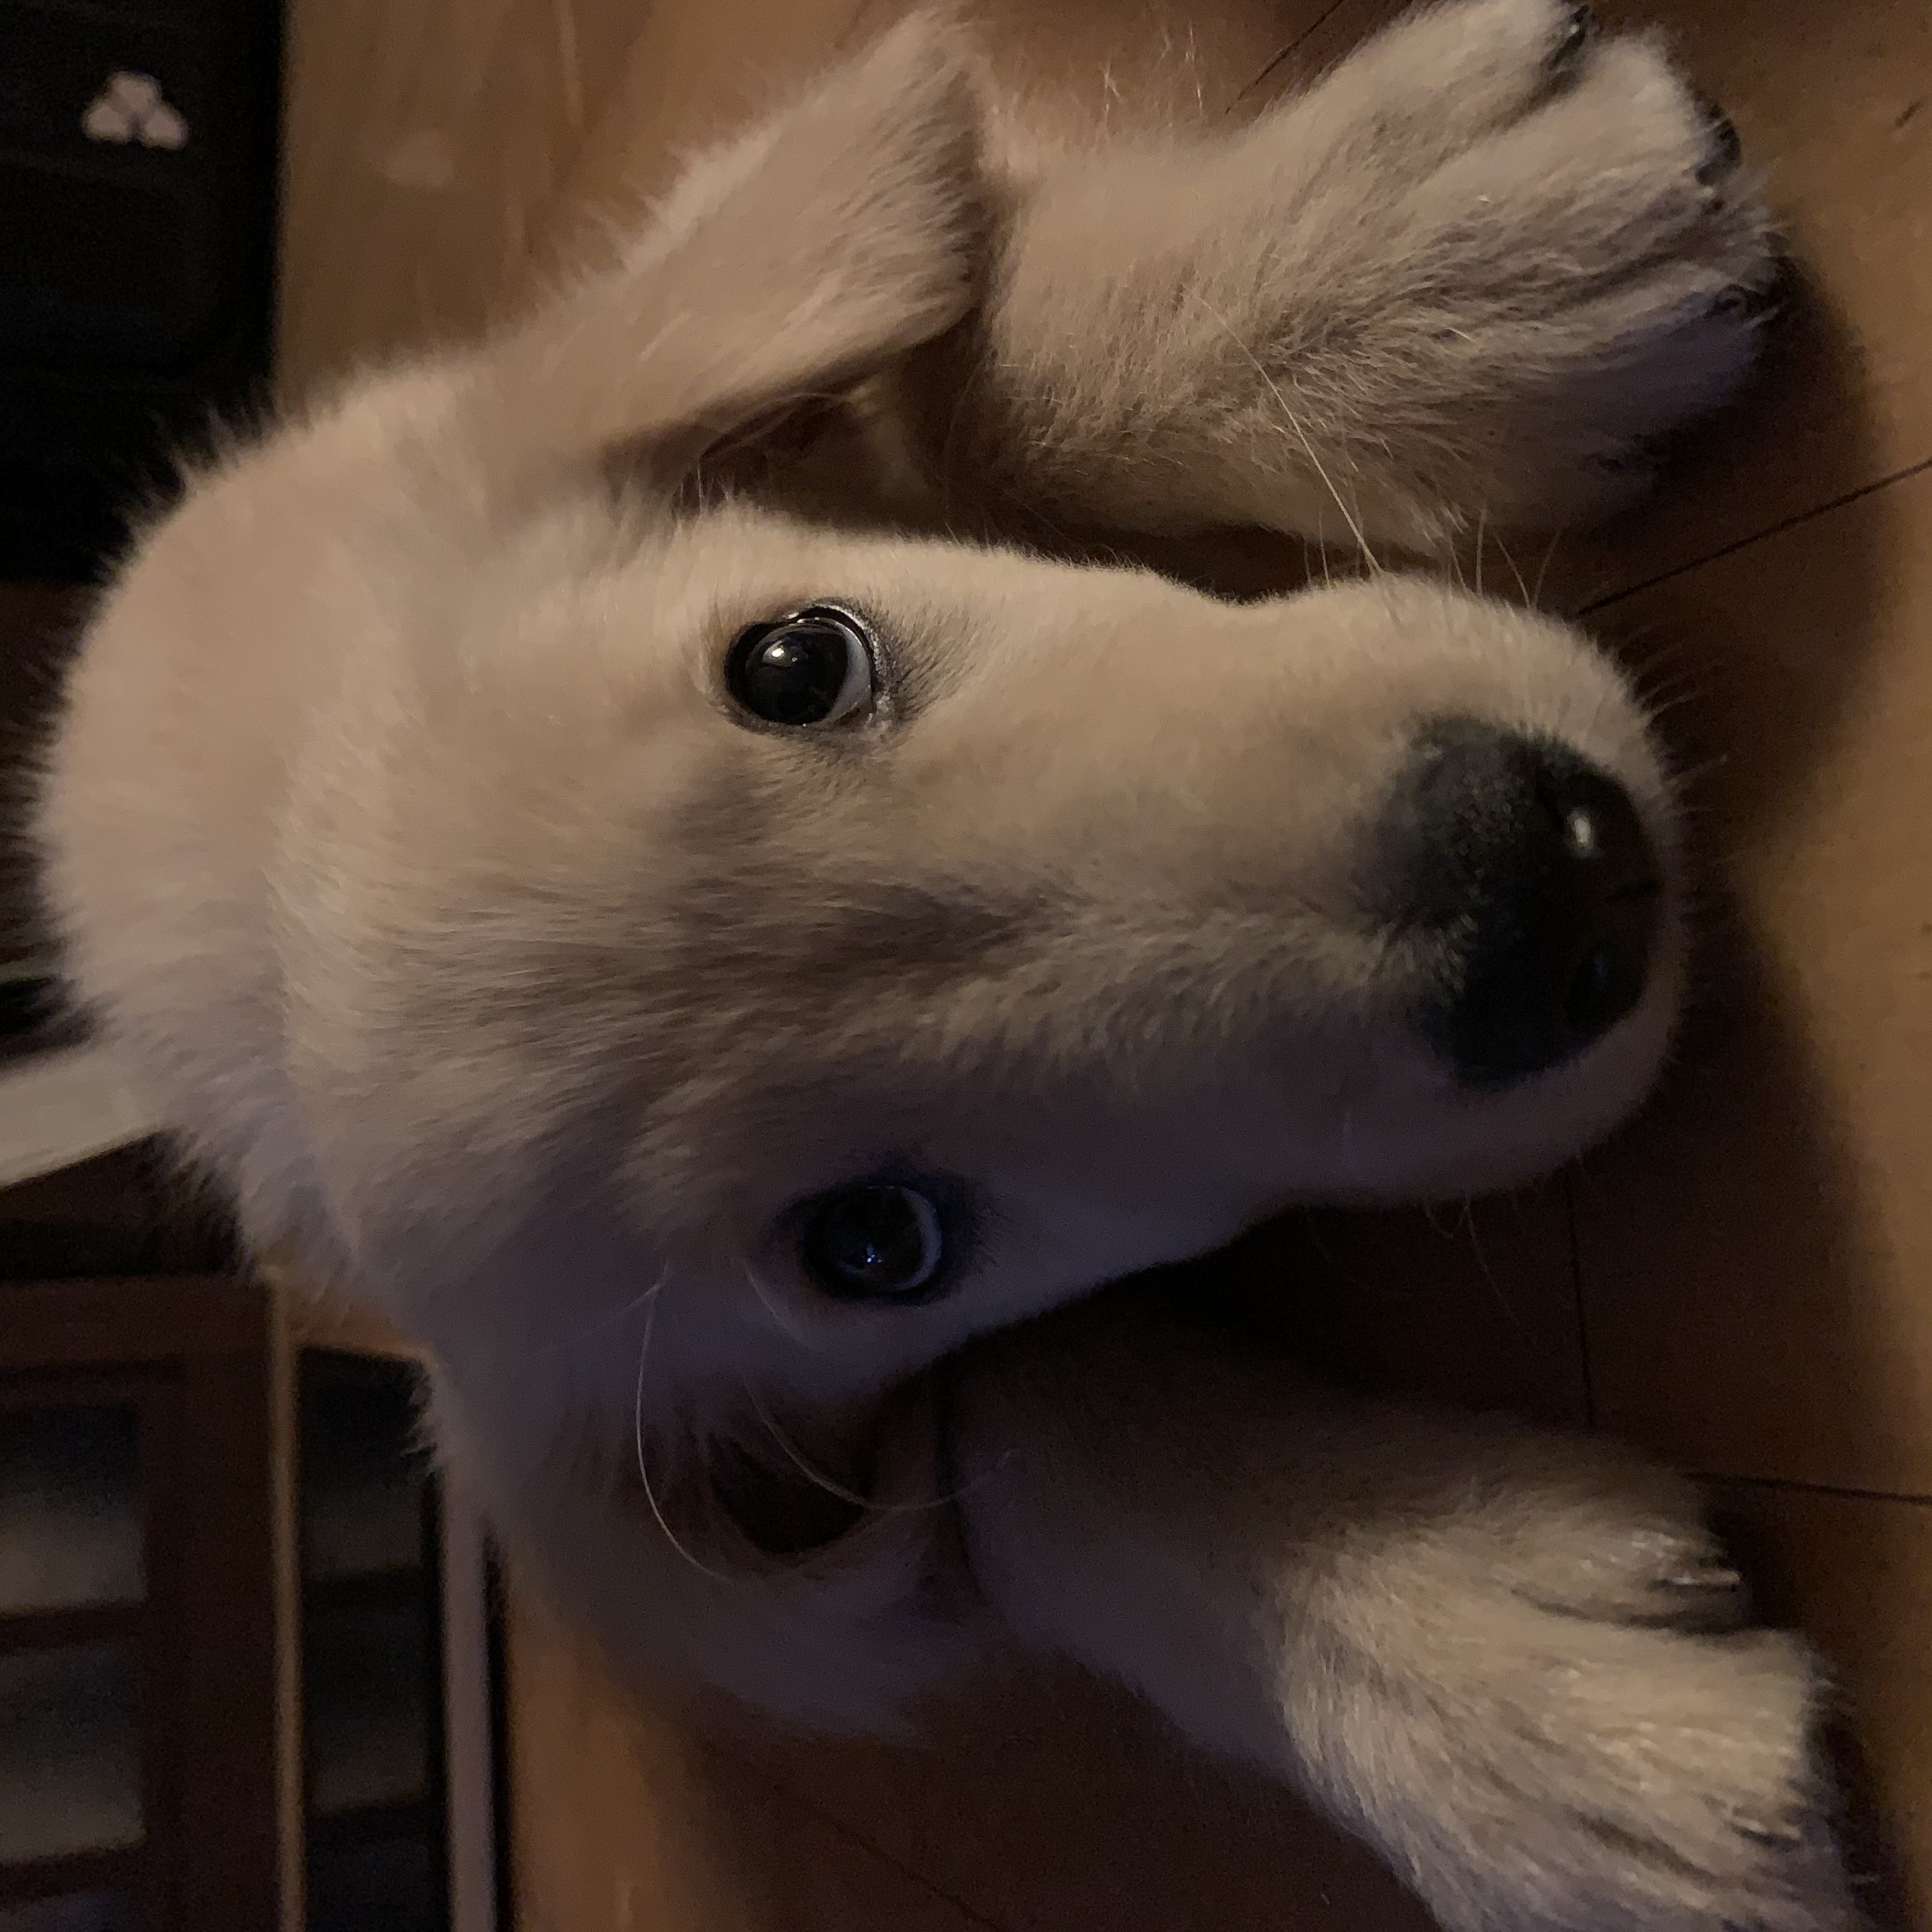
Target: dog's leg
(1514,1662)
(1474,274)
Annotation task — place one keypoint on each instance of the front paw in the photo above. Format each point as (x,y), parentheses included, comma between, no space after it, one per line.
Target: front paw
(1625,1758)
(1672,1782)
(1532,255)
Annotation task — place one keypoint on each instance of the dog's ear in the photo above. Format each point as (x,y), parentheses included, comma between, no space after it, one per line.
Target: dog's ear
(844,231)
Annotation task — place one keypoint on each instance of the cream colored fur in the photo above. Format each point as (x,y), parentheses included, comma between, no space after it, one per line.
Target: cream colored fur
(404,839)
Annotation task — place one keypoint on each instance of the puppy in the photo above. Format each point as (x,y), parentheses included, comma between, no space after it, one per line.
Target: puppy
(651,847)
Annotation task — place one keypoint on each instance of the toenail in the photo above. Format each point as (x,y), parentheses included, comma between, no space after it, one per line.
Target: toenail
(1642,458)
(1580,26)
(1747,304)
(1705,1576)
(1783,1837)
(1726,150)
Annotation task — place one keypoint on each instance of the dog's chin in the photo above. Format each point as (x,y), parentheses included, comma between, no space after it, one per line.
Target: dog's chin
(1423,1137)
(1564,1113)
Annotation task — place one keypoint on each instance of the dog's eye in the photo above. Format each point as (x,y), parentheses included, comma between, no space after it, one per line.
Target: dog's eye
(880,1243)
(815,668)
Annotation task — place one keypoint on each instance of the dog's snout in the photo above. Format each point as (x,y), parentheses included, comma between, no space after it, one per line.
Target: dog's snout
(1529,867)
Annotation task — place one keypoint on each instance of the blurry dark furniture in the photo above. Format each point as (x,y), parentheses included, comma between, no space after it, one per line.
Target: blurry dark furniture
(239,1632)
(137,212)
(138,1653)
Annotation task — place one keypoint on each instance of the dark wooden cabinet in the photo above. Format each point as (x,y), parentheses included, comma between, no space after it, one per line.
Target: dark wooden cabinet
(376,1824)
(138,1666)
(138,171)
(240,1625)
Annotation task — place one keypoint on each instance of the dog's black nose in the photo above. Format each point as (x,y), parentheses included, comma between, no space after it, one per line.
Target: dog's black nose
(1529,869)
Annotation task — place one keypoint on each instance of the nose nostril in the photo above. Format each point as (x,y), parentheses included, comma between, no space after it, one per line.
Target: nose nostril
(1593,988)
(1610,977)
(1605,985)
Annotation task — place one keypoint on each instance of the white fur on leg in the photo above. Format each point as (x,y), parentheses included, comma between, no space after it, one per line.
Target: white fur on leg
(1470,277)
(1512,1662)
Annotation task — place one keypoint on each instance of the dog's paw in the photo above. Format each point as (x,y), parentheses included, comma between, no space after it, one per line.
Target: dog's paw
(1532,253)
(1669,1783)
(1615,1749)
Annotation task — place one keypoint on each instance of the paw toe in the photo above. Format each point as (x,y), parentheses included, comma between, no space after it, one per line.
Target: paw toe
(1761,297)
(1726,150)
(1577,27)
(1704,1594)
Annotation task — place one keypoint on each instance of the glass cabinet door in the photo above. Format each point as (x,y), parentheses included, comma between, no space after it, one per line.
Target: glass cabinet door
(74,1912)
(140,1728)
(372,1695)
(73,1662)
(71,1519)
(70,1752)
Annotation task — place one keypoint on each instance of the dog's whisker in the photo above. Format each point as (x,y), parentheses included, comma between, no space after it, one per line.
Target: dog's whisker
(1516,571)
(1495,1287)
(1543,569)
(797,1459)
(1294,423)
(818,1477)
(610,1320)
(1692,776)
(775,1308)
(643,1466)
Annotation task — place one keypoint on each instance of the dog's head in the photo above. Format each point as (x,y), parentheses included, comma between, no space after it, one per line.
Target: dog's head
(586,908)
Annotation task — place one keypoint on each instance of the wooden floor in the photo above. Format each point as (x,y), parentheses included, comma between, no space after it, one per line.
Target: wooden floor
(1744,1281)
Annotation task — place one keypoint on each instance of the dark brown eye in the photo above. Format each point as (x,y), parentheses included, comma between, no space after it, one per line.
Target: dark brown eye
(815,668)
(879,1244)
